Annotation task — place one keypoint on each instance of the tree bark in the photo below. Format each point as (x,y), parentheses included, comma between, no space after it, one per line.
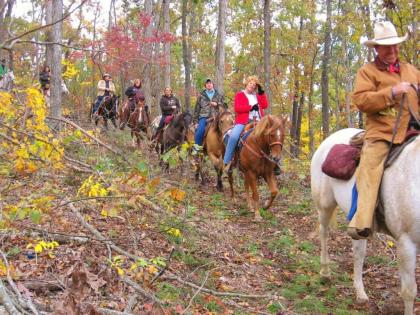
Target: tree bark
(220,46)
(147,71)
(267,52)
(48,32)
(5,15)
(324,77)
(57,34)
(167,45)
(186,56)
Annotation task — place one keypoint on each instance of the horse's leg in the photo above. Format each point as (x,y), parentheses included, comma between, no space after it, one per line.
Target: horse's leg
(359,253)
(113,122)
(253,203)
(324,217)
(230,178)
(407,251)
(273,189)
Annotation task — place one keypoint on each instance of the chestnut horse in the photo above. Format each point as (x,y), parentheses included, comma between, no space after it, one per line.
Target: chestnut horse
(214,146)
(139,122)
(258,157)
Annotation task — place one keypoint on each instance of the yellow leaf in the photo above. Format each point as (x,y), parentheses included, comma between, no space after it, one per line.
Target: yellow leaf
(120,271)
(31,167)
(51,255)
(152,269)
(20,165)
(390,243)
(38,248)
(177,194)
(104,213)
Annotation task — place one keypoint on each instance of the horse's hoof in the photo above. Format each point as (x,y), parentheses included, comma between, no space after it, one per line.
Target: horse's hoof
(362,300)
(258,217)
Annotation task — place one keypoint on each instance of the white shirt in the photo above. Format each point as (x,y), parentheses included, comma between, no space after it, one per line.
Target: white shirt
(252,99)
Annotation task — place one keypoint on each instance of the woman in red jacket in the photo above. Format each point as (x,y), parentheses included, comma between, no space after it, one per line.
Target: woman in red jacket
(249,105)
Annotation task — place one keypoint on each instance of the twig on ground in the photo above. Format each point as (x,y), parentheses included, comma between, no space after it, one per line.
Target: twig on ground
(131,304)
(168,260)
(107,311)
(197,292)
(6,301)
(28,301)
(140,290)
(217,293)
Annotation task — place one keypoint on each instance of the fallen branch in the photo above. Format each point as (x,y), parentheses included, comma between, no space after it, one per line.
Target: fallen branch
(26,302)
(168,260)
(217,293)
(107,311)
(69,122)
(6,301)
(197,292)
(140,290)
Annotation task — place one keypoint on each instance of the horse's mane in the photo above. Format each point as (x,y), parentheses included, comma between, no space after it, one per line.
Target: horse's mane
(266,125)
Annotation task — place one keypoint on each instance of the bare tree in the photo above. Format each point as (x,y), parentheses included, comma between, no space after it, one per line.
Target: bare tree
(267,51)
(324,77)
(167,45)
(147,70)
(5,14)
(57,34)
(220,46)
(186,53)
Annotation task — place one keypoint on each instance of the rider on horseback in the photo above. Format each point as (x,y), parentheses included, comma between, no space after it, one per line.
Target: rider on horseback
(208,103)
(249,105)
(131,93)
(106,88)
(44,79)
(380,89)
(169,105)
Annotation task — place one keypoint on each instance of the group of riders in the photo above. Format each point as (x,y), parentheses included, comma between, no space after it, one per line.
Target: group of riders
(379,87)
(249,106)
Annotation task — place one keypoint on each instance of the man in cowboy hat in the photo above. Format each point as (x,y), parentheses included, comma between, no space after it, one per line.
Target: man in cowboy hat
(105,88)
(378,92)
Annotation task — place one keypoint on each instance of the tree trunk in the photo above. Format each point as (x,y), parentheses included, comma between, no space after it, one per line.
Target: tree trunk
(5,14)
(186,56)
(267,52)
(167,46)
(147,71)
(48,32)
(324,77)
(57,34)
(220,46)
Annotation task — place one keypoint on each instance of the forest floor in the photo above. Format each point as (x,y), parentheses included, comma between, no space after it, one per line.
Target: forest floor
(161,243)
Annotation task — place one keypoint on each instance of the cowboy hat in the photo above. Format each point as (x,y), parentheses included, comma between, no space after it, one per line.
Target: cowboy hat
(106,75)
(385,34)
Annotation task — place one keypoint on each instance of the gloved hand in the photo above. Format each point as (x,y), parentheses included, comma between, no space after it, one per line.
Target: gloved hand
(255,107)
(260,91)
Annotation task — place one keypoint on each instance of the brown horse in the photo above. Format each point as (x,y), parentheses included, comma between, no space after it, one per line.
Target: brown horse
(214,146)
(139,122)
(259,155)
(176,133)
(108,109)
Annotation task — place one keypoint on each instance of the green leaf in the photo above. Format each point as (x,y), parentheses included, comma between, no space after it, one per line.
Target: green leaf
(142,168)
(35,216)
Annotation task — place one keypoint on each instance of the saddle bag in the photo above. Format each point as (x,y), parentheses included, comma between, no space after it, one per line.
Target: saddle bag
(341,161)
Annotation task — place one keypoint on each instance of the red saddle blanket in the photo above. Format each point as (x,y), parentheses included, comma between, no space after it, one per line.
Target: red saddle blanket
(168,119)
(341,161)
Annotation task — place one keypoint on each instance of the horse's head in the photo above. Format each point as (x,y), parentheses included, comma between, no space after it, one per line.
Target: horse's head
(270,132)
(225,121)
(187,117)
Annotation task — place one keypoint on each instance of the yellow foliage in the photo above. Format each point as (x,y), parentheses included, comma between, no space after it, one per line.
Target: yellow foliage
(71,70)
(91,188)
(177,194)
(174,232)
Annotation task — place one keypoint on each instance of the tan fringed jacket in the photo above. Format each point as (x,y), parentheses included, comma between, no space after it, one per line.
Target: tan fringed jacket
(372,95)
(102,86)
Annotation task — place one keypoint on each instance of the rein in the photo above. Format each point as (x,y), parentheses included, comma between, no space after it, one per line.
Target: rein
(262,153)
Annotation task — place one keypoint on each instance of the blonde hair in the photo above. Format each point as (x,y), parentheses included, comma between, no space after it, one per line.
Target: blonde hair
(137,81)
(251,78)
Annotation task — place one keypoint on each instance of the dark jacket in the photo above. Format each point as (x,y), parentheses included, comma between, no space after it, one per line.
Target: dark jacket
(44,78)
(131,91)
(166,103)
(203,109)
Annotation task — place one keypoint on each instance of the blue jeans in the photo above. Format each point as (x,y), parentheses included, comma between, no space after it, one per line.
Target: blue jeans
(201,129)
(97,103)
(232,142)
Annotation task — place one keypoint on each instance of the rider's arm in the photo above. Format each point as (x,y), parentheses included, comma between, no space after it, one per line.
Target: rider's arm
(112,87)
(101,86)
(197,109)
(367,97)
(262,101)
(241,103)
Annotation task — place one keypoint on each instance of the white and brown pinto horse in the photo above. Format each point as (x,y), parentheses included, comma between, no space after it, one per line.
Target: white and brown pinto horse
(400,197)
